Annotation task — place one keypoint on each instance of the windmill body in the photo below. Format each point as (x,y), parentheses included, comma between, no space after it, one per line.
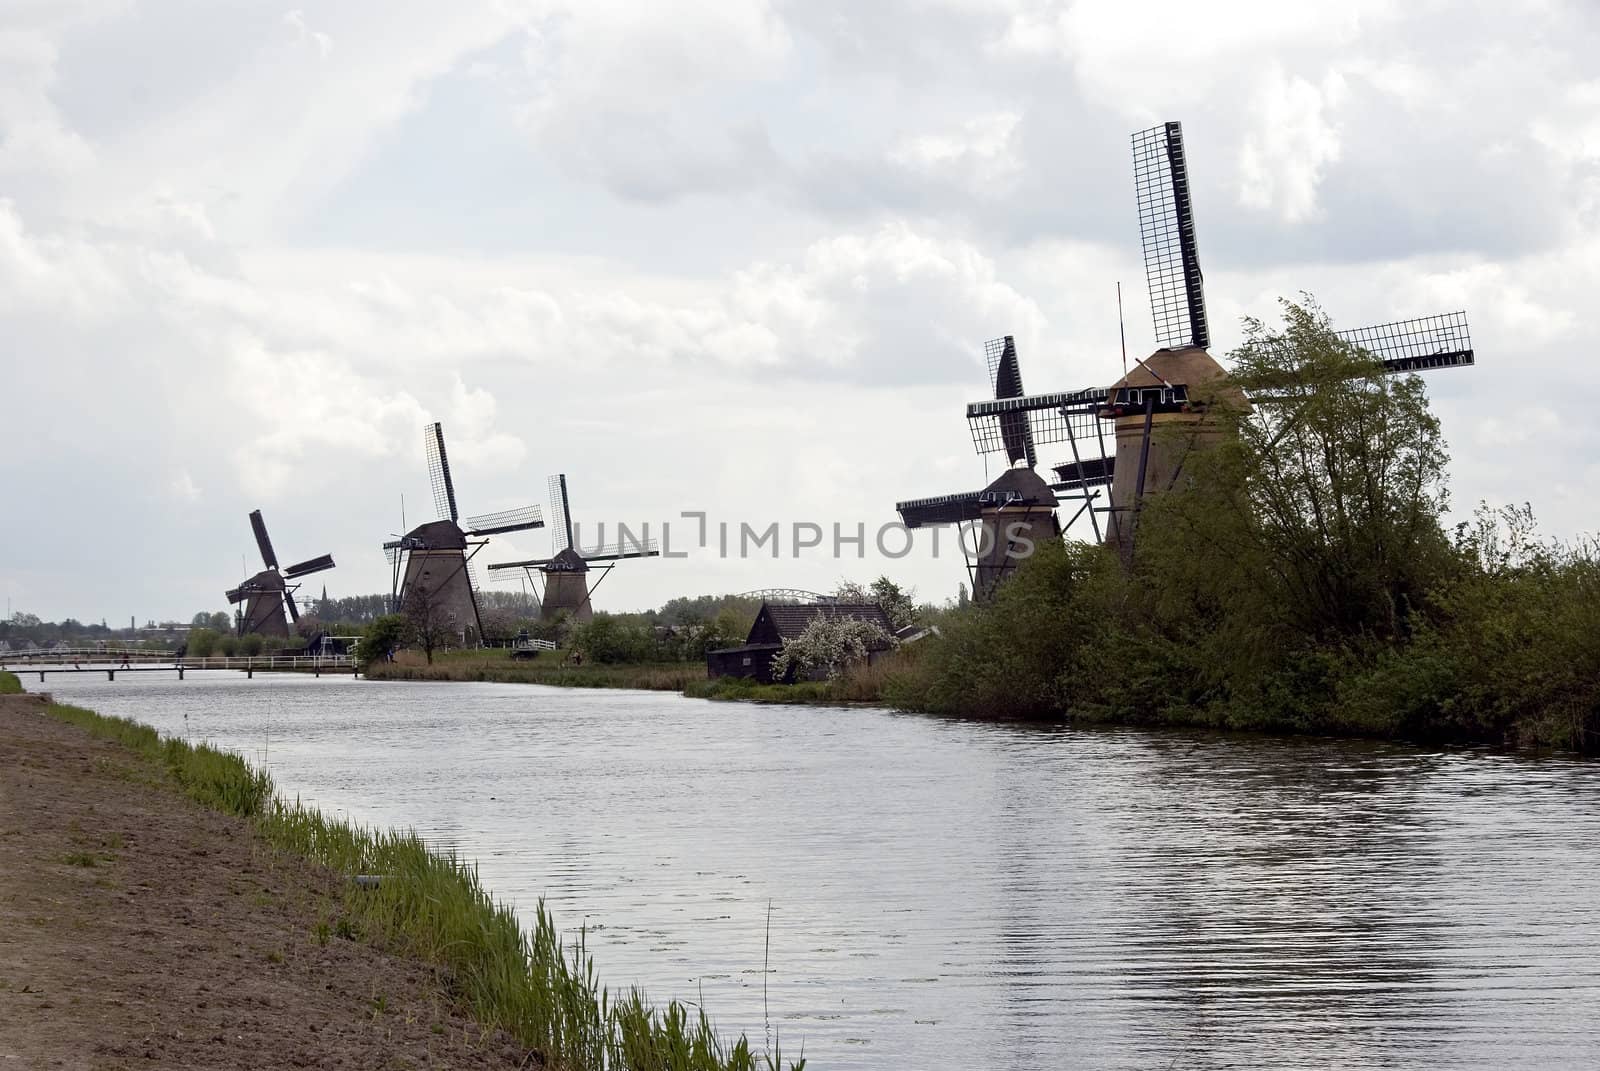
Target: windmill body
(436,557)
(566,587)
(1017,510)
(570,575)
(264,613)
(268,596)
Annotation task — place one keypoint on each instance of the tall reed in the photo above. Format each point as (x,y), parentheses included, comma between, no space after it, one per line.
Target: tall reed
(433,907)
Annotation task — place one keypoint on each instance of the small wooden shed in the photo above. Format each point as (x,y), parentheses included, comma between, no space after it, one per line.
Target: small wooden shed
(779,621)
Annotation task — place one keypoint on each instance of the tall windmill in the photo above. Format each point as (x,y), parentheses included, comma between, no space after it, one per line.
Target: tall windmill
(437,556)
(269,593)
(1016,509)
(566,574)
(1169,388)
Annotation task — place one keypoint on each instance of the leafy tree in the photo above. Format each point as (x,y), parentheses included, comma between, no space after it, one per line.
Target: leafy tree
(202,642)
(608,638)
(899,605)
(382,637)
(828,645)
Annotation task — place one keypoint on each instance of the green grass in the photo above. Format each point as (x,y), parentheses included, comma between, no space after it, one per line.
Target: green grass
(9,684)
(433,907)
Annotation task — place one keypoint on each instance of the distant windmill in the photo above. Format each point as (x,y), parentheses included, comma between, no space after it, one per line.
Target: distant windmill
(1015,509)
(438,555)
(1157,392)
(566,573)
(268,594)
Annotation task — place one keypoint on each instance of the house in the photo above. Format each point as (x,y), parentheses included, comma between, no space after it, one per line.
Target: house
(780,621)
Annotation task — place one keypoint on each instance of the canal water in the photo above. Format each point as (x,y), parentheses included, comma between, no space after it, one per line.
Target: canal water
(956,894)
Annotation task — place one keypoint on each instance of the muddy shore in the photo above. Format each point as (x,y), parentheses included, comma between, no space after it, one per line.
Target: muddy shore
(139,929)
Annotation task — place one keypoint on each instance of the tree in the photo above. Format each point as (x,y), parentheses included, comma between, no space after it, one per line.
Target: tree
(382,637)
(431,626)
(1325,501)
(899,605)
(829,644)
(221,621)
(202,642)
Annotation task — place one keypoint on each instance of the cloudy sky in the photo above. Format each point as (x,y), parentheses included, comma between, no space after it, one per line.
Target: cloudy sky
(731,256)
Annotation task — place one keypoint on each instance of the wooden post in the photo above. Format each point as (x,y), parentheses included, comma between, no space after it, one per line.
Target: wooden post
(111,675)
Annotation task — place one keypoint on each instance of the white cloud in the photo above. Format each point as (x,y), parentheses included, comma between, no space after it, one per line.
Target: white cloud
(981,154)
(296,20)
(614,239)
(182,487)
(1291,141)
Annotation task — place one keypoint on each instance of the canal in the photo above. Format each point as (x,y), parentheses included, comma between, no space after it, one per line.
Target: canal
(961,894)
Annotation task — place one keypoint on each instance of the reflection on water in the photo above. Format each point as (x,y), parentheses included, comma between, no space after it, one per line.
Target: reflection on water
(981,895)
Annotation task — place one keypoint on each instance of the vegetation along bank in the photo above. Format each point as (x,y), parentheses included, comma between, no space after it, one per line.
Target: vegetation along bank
(159,902)
(1301,577)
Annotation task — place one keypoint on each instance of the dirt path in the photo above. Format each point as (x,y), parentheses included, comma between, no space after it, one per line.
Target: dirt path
(139,930)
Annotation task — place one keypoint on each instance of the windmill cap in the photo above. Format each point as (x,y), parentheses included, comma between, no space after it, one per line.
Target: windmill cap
(1027,485)
(1188,366)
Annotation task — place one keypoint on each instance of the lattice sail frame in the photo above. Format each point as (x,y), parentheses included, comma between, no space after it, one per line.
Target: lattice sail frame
(444,490)
(1441,341)
(506,520)
(269,557)
(1167,235)
(560,516)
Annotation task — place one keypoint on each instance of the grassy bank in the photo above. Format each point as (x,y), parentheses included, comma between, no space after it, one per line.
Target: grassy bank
(548,668)
(433,908)
(9,684)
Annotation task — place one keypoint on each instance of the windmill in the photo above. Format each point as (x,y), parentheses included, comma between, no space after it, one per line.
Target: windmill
(566,573)
(437,556)
(269,593)
(1016,509)
(1171,387)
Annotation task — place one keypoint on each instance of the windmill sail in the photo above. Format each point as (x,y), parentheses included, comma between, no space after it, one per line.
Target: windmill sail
(311,565)
(1166,231)
(941,509)
(1441,341)
(268,558)
(510,520)
(1005,373)
(560,515)
(444,490)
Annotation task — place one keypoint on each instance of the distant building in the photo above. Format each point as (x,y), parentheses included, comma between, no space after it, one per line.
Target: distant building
(780,621)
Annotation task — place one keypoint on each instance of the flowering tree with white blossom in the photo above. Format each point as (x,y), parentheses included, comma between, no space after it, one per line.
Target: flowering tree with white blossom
(829,644)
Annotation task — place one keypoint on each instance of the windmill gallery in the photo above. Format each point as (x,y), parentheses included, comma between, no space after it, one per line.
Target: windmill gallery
(1121,444)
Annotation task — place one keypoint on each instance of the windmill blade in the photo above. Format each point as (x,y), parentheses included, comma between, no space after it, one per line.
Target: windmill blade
(1166,232)
(309,566)
(268,558)
(510,520)
(1052,418)
(288,601)
(444,489)
(531,563)
(1084,473)
(472,577)
(1005,374)
(628,548)
(1441,341)
(940,509)
(560,519)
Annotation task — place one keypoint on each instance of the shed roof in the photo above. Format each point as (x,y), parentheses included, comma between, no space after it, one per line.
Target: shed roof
(790,619)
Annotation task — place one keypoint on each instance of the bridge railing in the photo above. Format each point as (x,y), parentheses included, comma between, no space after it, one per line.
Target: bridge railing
(100,661)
